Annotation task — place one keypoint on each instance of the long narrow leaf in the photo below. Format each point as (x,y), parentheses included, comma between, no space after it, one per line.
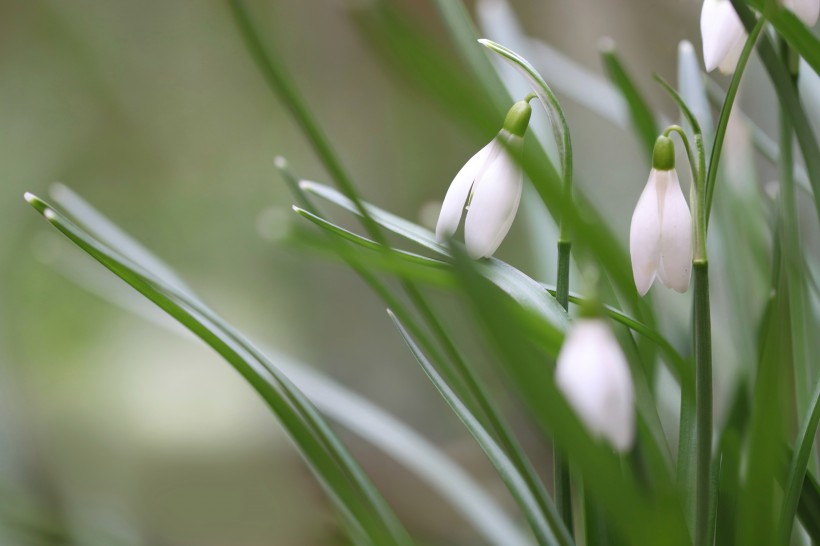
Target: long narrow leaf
(363,509)
(787,94)
(344,406)
(547,528)
(643,120)
(797,468)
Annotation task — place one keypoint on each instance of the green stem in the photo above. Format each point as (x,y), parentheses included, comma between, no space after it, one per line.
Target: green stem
(703,411)
(725,112)
(563,488)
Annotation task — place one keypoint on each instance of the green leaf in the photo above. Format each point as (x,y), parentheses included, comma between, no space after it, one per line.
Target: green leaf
(365,512)
(278,79)
(547,527)
(792,29)
(344,406)
(797,468)
(643,120)
(516,284)
(809,507)
(725,111)
(638,516)
(412,56)
(463,31)
(787,94)
(367,243)
(684,108)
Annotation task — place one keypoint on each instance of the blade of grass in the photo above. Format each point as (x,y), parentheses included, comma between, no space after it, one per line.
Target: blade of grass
(353,495)
(411,56)
(278,79)
(643,120)
(519,286)
(367,243)
(755,501)
(508,327)
(725,112)
(356,413)
(799,37)
(547,526)
(763,142)
(797,468)
(463,373)
(789,101)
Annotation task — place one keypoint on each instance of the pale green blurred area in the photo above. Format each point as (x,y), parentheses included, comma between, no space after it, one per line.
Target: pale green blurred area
(126,434)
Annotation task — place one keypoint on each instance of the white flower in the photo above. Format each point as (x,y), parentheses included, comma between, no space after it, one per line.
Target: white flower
(593,374)
(660,236)
(723,35)
(807,11)
(489,187)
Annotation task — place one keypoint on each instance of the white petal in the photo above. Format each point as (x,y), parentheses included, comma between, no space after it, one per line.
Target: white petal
(454,201)
(645,234)
(496,195)
(807,11)
(593,374)
(676,237)
(729,63)
(720,29)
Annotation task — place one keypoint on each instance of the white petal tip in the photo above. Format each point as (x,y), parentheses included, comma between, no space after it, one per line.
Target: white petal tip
(30,197)
(685,47)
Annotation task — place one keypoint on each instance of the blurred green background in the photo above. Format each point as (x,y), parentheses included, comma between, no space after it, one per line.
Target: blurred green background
(115,431)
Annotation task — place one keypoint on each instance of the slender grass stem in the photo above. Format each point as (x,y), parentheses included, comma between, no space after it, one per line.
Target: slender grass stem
(496,422)
(276,76)
(703,411)
(563,488)
(725,112)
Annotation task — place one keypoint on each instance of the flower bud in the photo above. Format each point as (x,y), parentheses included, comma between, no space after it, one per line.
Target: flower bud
(723,35)
(489,187)
(593,375)
(660,234)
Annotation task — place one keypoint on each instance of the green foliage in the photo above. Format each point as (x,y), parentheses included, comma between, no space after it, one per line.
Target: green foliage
(729,494)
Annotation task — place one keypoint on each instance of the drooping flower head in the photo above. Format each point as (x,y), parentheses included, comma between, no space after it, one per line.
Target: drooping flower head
(724,35)
(594,376)
(489,187)
(660,236)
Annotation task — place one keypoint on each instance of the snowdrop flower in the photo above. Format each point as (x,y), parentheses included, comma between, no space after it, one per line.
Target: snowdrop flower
(489,187)
(807,11)
(723,35)
(660,237)
(593,375)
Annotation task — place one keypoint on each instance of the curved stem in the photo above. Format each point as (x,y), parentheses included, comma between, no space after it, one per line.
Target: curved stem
(693,165)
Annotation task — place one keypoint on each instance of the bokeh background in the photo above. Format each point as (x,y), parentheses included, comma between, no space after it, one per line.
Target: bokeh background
(114,430)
